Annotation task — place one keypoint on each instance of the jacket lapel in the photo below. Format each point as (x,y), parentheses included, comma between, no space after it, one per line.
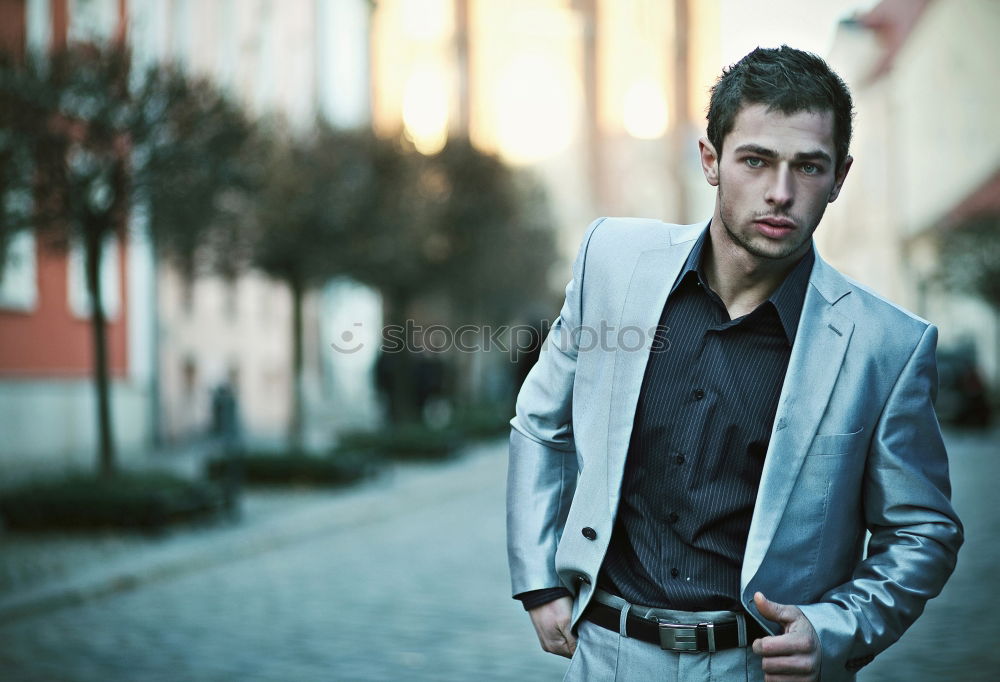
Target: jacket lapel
(820,344)
(652,277)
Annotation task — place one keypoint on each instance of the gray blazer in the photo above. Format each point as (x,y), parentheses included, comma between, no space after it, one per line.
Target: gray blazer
(855,447)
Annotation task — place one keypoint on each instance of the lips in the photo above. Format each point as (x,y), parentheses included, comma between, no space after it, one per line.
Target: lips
(774,227)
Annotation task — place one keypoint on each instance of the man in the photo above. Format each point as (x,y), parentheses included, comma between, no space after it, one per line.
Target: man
(696,506)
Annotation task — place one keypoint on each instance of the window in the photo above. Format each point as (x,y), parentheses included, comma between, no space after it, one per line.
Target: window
(92,20)
(18,274)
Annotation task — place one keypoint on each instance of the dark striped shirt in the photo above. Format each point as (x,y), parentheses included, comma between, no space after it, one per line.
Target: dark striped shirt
(699,438)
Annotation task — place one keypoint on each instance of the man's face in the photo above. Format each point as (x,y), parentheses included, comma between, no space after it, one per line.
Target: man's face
(775,178)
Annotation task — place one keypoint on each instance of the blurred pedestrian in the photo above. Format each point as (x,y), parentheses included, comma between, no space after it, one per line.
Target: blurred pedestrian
(225,420)
(227,433)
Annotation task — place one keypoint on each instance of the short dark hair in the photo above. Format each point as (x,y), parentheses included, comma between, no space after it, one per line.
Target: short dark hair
(786,80)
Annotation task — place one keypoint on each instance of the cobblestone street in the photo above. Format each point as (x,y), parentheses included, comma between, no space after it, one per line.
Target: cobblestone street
(418,593)
(415,587)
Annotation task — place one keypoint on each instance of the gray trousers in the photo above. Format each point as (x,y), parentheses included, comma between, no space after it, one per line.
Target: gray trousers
(606,656)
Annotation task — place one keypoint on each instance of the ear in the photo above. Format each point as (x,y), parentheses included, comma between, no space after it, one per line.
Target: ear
(840,177)
(709,161)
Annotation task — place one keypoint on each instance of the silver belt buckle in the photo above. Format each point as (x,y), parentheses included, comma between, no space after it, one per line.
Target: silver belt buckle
(677,637)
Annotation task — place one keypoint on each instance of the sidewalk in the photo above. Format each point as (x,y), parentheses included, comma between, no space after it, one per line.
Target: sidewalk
(39,573)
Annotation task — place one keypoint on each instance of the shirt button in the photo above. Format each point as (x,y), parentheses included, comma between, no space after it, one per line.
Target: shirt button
(698,394)
(679,459)
(672,517)
(589,533)
(674,573)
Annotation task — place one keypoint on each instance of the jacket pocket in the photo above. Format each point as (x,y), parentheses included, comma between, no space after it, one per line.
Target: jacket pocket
(836,443)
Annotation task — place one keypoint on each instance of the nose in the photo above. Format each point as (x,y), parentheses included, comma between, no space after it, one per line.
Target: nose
(781,190)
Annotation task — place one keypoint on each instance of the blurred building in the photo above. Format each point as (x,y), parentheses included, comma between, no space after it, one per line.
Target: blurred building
(295,61)
(173,341)
(927,157)
(603,100)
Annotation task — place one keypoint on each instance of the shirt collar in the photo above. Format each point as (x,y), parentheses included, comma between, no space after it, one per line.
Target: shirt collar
(787,299)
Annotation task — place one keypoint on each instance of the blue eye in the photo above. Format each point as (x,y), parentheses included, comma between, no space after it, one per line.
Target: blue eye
(754,162)
(811,169)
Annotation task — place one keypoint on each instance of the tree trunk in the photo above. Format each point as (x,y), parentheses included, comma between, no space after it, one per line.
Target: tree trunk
(98,325)
(297,421)
(466,386)
(155,400)
(401,384)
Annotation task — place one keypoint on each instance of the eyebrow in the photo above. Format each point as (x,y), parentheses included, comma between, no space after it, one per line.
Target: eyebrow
(771,154)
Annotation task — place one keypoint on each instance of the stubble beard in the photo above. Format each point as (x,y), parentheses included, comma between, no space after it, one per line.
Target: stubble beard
(746,242)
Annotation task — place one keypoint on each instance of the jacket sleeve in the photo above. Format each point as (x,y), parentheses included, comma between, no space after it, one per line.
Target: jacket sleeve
(915,533)
(541,476)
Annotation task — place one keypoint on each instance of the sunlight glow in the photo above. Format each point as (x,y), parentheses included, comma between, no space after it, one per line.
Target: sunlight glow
(426,20)
(425,108)
(536,108)
(645,110)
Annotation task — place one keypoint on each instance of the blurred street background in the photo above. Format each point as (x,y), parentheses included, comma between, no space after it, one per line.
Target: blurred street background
(272,271)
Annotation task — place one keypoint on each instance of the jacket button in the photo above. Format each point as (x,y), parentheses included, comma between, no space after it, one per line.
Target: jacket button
(589,533)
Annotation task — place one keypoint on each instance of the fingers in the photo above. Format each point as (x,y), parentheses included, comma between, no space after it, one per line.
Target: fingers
(567,634)
(779,613)
(791,670)
(799,664)
(558,645)
(552,625)
(552,639)
(783,645)
(794,655)
(558,641)
(803,667)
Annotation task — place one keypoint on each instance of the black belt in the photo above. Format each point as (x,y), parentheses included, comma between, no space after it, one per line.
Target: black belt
(671,636)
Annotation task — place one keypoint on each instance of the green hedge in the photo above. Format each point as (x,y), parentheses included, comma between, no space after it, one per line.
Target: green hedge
(412,441)
(141,501)
(420,442)
(295,468)
(482,421)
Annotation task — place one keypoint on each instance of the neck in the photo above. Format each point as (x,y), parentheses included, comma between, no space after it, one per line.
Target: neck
(742,280)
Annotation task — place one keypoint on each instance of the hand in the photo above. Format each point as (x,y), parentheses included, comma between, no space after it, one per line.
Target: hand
(793,655)
(551,623)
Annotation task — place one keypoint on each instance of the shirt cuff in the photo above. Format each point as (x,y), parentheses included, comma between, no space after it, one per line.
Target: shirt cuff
(535,598)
